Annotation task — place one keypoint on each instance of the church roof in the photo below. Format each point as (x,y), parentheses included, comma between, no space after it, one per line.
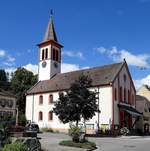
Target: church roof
(100,76)
(50,33)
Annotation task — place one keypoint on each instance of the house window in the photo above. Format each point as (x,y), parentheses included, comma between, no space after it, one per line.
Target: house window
(115,94)
(40,116)
(46,53)
(40,99)
(50,98)
(42,54)
(120,94)
(125,95)
(50,115)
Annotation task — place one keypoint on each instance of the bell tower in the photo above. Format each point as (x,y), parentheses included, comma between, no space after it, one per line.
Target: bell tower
(49,54)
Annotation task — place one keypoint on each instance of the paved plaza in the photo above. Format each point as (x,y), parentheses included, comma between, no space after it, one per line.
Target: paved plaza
(125,143)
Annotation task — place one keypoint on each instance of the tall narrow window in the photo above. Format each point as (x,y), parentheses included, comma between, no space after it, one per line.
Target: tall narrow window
(133,99)
(56,55)
(115,94)
(50,98)
(42,54)
(40,99)
(40,116)
(46,53)
(125,95)
(129,97)
(120,94)
(50,115)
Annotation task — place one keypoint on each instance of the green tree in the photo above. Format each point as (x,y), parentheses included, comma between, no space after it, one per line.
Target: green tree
(4,84)
(3,76)
(22,81)
(78,102)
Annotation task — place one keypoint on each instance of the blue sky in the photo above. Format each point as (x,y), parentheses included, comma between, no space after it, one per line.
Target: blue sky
(93,32)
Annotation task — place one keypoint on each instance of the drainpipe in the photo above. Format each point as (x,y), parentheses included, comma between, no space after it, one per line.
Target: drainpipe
(32,108)
(98,109)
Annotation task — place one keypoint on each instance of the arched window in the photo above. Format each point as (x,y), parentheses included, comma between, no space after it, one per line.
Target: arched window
(125,94)
(46,53)
(50,98)
(40,99)
(50,115)
(40,116)
(42,54)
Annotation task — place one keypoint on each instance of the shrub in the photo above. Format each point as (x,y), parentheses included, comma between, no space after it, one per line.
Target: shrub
(17,146)
(75,132)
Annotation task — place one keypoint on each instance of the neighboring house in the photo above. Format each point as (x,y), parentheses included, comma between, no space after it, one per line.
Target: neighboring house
(116,91)
(7,104)
(144,90)
(143,106)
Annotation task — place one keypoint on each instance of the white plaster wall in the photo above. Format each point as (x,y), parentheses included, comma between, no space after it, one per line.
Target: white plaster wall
(29,107)
(50,70)
(105,105)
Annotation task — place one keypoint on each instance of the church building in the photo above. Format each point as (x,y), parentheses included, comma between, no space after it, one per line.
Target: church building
(113,84)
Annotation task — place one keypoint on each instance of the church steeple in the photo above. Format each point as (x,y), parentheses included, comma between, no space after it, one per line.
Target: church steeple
(50,33)
(49,54)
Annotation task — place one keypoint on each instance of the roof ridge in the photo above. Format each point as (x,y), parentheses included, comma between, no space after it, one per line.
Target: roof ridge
(91,68)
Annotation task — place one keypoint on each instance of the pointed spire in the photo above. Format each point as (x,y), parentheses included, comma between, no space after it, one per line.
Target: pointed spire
(50,32)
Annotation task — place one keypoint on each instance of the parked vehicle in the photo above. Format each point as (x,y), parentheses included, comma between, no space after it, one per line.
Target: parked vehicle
(32,127)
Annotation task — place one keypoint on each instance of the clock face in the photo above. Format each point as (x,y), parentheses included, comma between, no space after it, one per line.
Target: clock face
(44,64)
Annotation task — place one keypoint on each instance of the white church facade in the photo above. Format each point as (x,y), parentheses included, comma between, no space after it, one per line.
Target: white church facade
(113,84)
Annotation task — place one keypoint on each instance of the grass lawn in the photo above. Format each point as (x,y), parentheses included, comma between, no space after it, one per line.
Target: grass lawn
(85,145)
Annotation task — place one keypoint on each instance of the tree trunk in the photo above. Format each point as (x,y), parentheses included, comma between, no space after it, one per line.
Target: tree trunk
(77,123)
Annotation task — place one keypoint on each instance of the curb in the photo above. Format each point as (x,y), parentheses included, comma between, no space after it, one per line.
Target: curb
(97,149)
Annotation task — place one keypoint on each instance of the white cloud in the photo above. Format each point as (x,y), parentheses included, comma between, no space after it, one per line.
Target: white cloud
(66,67)
(139,82)
(139,60)
(77,54)
(7,64)
(2,53)
(31,67)
(10,58)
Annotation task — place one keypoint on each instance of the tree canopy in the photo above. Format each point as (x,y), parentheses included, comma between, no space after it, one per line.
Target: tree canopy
(22,81)
(77,103)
